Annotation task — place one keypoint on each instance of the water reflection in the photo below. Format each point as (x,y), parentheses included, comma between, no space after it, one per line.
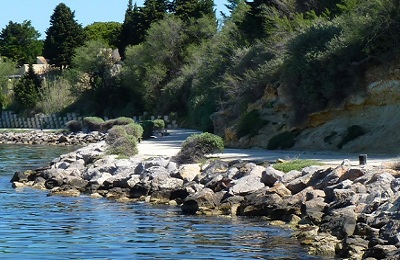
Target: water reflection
(35,226)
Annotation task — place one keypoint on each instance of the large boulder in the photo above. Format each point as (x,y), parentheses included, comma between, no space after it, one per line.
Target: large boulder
(202,200)
(188,172)
(270,176)
(246,185)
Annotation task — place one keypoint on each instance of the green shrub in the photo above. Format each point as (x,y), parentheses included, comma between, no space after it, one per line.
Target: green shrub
(158,124)
(197,146)
(93,123)
(249,124)
(295,165)
(283,140)
(124,146)
(74,126)
(147,128)
(134,129)
(117,121)
(114,133)
(353,132)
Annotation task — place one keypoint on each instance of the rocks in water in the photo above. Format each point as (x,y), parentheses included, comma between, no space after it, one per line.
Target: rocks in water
(51,138)
(350,212)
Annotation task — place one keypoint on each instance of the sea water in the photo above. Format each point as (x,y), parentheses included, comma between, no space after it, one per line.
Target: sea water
(34,225)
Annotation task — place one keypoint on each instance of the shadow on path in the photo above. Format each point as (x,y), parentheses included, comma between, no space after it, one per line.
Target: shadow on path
(170,146)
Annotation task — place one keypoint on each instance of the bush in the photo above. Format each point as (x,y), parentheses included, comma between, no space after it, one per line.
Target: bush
(134,129)
(114,133)
(353,132)
(93,123)
(147,126)
(74,126)
(283,140)
(117,121)
(158,124)
(124,146)
(197,146)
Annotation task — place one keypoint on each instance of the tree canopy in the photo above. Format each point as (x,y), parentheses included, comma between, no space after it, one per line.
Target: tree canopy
(106,32)
(20,42)
(63,36)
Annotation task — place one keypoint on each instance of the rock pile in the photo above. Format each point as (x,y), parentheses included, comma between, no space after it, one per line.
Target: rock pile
(51,138)
(345,211)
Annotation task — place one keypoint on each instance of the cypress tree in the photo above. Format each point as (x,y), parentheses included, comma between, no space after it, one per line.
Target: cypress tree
(27,90)
(192,9)
(62,37)
(133,28)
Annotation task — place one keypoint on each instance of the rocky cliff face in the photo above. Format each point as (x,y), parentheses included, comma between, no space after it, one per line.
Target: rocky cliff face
(372,114)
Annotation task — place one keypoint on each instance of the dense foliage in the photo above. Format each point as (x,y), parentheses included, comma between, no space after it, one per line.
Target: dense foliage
(27,90)
(63,36)
(20,42)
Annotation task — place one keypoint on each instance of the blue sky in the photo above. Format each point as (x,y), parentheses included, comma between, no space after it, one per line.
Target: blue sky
(86,11)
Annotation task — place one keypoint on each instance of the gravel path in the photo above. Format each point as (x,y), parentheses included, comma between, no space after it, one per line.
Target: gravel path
(170,145)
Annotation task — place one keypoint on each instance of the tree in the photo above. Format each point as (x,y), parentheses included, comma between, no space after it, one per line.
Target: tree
(62,37)
(95,63)
(132,30)
(106,32)
(152,64)
(27,90)
(20,42)
(193,9)
(154,10)
(7,68)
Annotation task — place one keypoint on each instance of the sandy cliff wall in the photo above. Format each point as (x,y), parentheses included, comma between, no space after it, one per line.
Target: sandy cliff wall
(376,111)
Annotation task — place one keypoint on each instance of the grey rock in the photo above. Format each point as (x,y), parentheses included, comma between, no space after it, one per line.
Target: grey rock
(246,185)
(270,176)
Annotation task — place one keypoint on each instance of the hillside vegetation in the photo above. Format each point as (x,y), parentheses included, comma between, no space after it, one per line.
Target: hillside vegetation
(268,66)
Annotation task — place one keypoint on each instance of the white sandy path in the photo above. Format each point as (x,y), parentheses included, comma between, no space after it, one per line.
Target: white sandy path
(170,146)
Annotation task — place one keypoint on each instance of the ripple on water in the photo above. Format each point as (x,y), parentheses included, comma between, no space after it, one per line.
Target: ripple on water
(36,226)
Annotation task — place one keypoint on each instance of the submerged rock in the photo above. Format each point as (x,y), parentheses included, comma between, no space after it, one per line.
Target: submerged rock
(345,211)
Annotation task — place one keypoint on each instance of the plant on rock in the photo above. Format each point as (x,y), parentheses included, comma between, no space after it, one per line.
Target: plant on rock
(123,139)
(93,123)
(135,130)
(124,146)
(197,146)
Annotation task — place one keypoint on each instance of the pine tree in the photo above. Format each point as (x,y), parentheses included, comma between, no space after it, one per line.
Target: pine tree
(62,37)
(192,9)
(154,10)
(20,42)
(132,30)
(27,90)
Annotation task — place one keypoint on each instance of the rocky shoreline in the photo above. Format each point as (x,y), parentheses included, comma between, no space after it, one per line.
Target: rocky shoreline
(50,138)
(344,211)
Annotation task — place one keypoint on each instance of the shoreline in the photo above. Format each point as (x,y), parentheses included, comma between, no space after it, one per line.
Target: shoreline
(343,211)
(40,137)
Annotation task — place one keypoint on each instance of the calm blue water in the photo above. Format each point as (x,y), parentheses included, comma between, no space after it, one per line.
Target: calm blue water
(36,226)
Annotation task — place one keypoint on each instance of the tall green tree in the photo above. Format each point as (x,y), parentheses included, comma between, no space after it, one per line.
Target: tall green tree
(7,68)
(193,9)
(106,32)
(63,36)
(133,28)
(154,10)
(96,67)
(20,42)
(27,90)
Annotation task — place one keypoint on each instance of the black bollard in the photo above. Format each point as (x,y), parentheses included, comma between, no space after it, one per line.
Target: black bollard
(362,158)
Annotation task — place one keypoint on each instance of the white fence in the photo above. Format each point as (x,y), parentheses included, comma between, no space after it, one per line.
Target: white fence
(10,119)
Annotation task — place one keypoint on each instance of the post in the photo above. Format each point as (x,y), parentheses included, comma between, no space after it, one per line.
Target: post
(362,159)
